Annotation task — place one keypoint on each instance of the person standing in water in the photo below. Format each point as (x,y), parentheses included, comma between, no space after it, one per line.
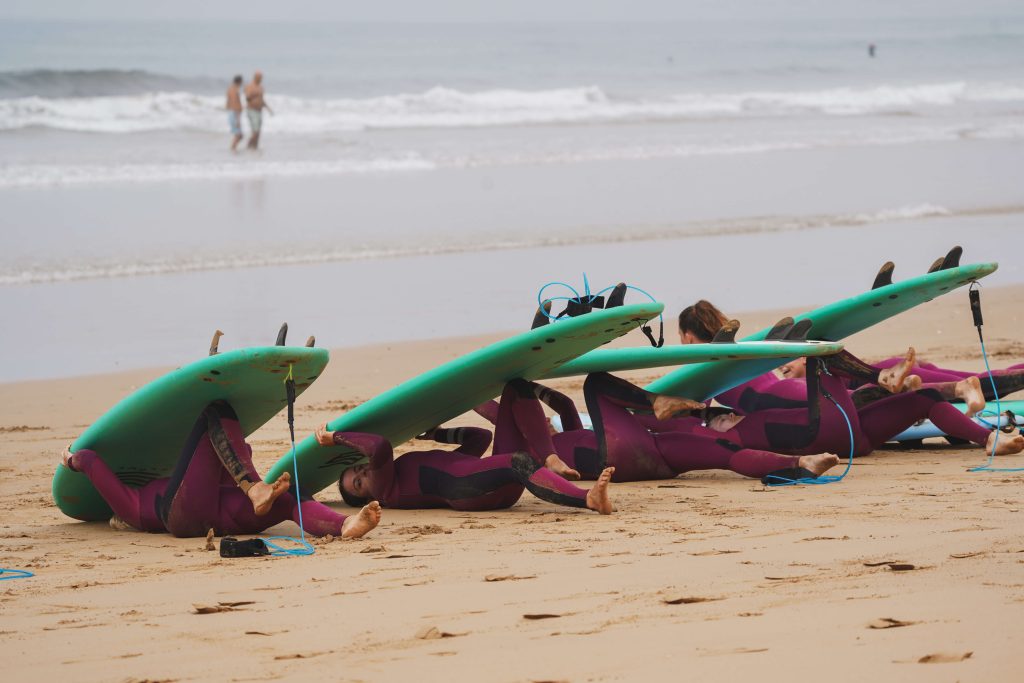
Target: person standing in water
(234,107)
(255,104)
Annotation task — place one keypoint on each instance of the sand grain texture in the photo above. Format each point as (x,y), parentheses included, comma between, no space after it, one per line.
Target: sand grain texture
(710,576)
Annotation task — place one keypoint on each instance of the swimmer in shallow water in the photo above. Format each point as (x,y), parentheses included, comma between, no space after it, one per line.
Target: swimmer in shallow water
(215,486)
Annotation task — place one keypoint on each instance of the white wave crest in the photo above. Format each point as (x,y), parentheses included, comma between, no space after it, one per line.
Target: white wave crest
(447,108)
(39,175)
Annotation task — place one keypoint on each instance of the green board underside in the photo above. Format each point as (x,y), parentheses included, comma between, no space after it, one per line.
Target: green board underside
(458,386)
(987,417)
(141,437)
(831,323)
(615,360)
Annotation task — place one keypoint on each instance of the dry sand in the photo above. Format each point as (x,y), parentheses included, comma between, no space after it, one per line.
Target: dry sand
(707,577)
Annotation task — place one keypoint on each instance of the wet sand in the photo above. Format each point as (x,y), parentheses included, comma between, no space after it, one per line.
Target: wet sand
(910,569)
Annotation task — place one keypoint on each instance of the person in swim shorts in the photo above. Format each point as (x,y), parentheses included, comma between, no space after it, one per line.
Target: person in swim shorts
(255,103)
(215,486)
(234,107)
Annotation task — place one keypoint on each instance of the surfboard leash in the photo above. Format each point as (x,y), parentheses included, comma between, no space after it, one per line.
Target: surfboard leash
(8,574)
(305,548)
(776,480)
(579,304)
(974,295)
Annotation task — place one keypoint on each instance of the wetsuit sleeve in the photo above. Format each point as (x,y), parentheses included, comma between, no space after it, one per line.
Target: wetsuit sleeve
(382,459)
(564,406)
(488,410)
(471,440)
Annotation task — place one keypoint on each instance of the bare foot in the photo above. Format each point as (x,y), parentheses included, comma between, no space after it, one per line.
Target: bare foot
(364,521)
(263,494)
(118,524)
(558,466)
(65,458)
(597,497)
(969,391)
(892,378)
(667,406)
(819,464)
(912,383)
(1009,444)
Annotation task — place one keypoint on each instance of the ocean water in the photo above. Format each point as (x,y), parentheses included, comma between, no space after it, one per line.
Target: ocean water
(425,142)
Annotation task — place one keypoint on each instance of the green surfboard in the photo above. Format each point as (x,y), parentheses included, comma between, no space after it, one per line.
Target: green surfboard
(458,386)
(141,437)
(831,323)
(613,360)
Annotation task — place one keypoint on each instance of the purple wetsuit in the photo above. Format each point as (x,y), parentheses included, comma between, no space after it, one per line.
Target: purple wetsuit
(768,391)
(459,479)
(621,439)
(203,492)
(820,427)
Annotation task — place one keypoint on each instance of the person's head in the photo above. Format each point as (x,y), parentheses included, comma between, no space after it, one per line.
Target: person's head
(354,486)
(237,80)
(257,77)
(699,323)
(794,369)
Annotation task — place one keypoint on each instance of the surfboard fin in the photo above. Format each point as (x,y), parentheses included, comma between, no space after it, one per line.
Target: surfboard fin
(281,335)
(727,333)
(779,330)
(617,296)
(884,277)
(215,342)
(799,331)
(540,318)
(950,260)
(311,342)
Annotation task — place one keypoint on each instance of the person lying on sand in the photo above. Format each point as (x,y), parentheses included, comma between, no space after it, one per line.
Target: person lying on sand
(830,416)
(215,486)
(700,322)
(638,447)
(460,479)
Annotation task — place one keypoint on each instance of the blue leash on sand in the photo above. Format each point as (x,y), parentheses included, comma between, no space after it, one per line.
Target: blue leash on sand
(7,574)
(304,546)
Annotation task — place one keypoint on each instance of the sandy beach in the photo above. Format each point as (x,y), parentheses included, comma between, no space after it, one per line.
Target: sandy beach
(910,569)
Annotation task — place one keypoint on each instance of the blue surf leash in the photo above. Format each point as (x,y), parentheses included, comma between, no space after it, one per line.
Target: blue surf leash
(974,294)
(305,548)
(588,299)
(776,480)
(8,574)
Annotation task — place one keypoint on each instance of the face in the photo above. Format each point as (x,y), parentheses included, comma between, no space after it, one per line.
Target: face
(723,423)
(687,337)
(354,481)
(794,369)
(257,77)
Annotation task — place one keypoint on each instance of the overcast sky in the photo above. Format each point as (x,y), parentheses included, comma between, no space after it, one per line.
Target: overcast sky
(496,10)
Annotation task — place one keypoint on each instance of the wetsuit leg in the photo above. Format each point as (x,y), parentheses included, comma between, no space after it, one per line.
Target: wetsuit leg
(122,499)
(468,483)
(884,419)
(545,484)
(191,503)
(521,425)
(622,441)
(687,452)
(237,515)
(819,428)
